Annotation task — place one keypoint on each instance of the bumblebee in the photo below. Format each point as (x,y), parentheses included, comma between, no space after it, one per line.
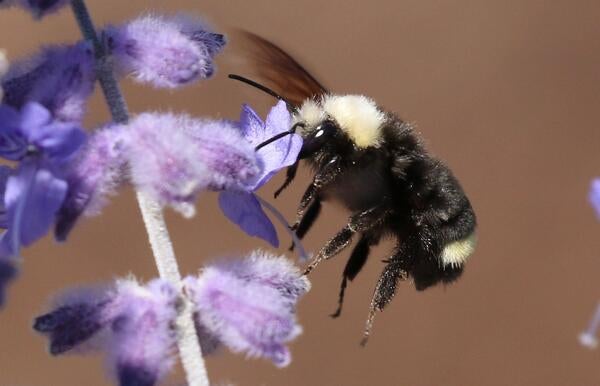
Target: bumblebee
(376,165)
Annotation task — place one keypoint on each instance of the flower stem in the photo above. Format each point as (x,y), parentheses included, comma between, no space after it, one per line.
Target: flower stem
(158,234)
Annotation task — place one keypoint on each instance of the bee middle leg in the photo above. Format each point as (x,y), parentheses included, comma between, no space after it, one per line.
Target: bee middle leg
(360,222)
(355,264)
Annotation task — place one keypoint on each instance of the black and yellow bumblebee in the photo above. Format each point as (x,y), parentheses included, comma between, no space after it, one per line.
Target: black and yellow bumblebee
(375,164)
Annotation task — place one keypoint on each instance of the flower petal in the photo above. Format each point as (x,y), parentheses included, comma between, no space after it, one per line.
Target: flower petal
(278,154)
(252,126)
(5,172)
(13,144)
(57,140)
(33,197)
(243,209)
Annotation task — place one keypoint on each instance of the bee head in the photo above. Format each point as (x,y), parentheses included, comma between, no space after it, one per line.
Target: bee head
(354,119)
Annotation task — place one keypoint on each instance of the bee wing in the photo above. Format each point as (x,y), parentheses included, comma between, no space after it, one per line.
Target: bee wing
(282,72)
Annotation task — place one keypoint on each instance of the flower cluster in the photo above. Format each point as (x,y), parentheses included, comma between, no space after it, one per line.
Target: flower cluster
(60,172)
(247,305)
(63,173)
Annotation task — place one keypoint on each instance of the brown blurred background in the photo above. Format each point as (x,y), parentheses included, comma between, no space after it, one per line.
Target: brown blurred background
(507,94)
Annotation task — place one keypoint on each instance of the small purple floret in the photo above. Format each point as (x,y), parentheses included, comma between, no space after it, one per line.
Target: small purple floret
(93,175)
(250,312)
(276,155)
(174,157)
(167,52)
(36,190)
(132,322)
(61,78)
(40,8)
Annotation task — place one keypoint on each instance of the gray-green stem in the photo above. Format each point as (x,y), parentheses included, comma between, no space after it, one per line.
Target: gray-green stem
(158,234)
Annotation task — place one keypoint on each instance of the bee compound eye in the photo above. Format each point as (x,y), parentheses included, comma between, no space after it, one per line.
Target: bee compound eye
(325,130)
(318,138)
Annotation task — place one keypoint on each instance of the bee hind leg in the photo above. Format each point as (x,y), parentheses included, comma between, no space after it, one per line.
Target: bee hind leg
(395,270)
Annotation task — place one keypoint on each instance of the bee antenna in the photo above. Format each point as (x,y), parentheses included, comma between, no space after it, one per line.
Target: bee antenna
(278,136)
(265,89)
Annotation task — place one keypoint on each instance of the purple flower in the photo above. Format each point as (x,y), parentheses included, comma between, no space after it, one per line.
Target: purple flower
(61,78)
(174,157)
(35,192)
(8,3)
(7,265)
(143,334)
(167,52)
(247,307)
(93,175)
(241,206)
(594,195)
(133,323)
(40,8)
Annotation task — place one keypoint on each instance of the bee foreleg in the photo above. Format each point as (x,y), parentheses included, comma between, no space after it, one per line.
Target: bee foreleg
(309,218)
(289,177)
(322,178)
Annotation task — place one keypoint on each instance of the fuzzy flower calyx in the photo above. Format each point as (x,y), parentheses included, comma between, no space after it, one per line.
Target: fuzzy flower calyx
(166,52)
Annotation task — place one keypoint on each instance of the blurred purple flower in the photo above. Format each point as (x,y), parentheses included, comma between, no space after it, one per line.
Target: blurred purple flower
(167,52)
(174,157)
(133,323)
(40,8)
(143,334)
(93,175)
(35,192)
(241,206)
(8,3)
(7,265)
(61,78)
(8,271)
(248,310)
(594,195)
(247,305)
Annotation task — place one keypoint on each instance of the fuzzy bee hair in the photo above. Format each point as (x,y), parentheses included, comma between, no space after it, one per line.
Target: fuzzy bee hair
(375,164)
(357,115)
